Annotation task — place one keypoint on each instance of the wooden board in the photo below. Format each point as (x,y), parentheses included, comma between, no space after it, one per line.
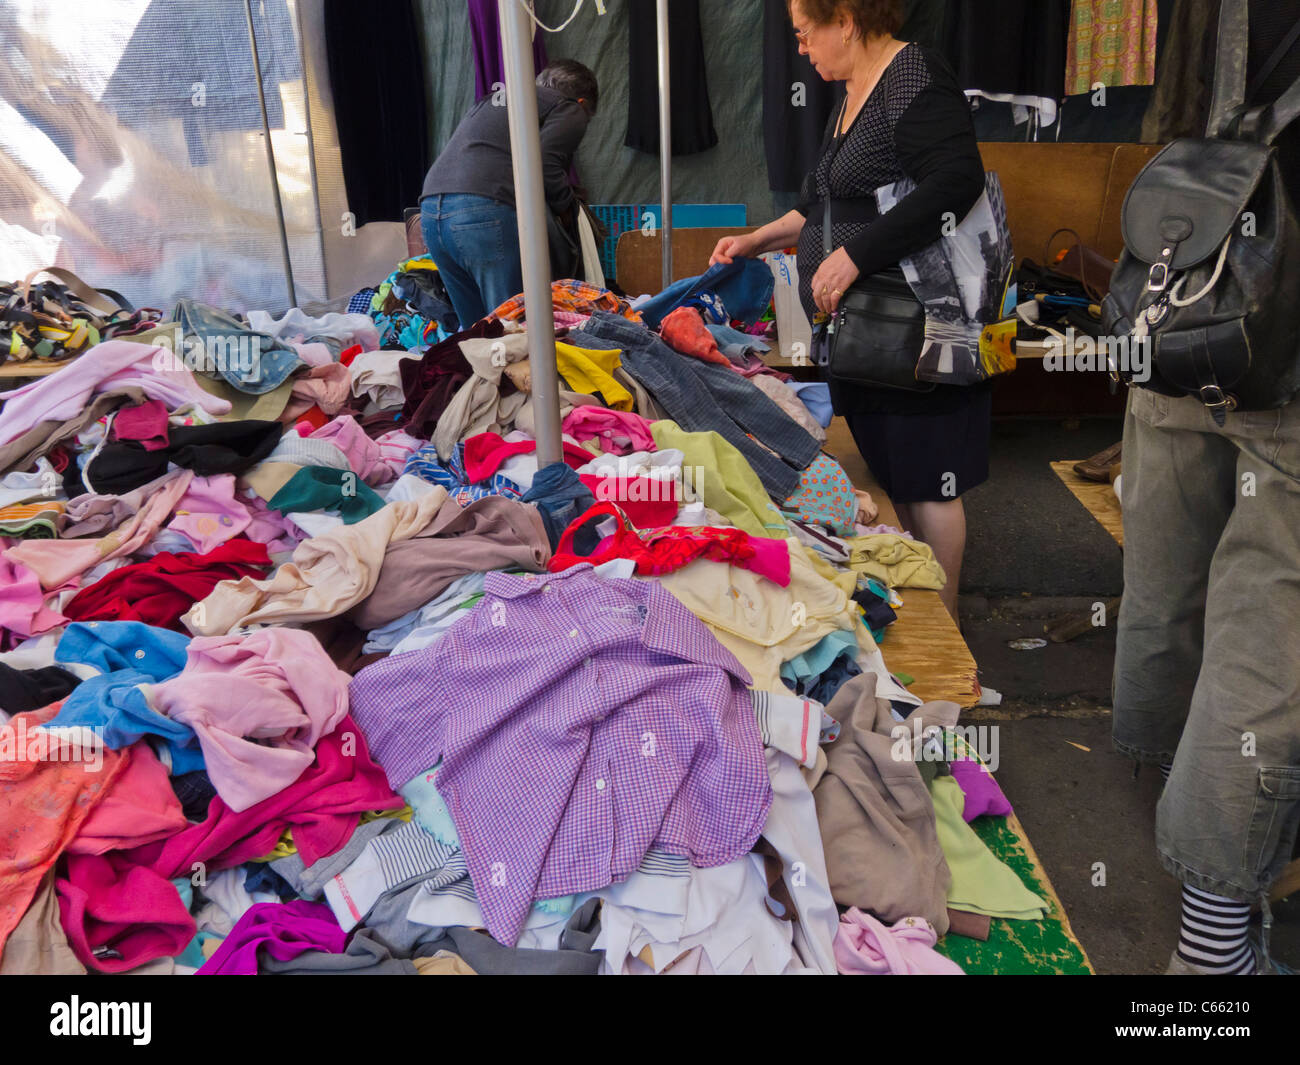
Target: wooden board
(1098,498)
(926,643)
(31,368)
(638,258)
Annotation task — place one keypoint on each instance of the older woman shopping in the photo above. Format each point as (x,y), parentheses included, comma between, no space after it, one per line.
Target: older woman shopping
(903,116)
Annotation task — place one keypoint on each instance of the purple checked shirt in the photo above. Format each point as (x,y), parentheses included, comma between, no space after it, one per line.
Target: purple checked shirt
(580,721)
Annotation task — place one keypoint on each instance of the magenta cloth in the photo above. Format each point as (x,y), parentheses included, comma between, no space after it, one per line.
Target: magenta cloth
(259,704)
(139,807)
(575,677)
(146,424)
(323,807)
(490,450)
(283,929)
(570,319)
(22,601)
(362,453)
(866,947)
(983,795)
(113,364)
(208,514)
(619,432)
(105,900)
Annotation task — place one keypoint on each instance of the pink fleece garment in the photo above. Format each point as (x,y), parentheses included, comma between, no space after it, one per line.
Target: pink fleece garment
(113,364)
(619,432)
(208,514)
(866,947)
(258,705)
(22,601)
(362,453)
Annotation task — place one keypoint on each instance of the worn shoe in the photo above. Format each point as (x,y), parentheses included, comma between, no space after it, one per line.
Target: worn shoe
(1098,467)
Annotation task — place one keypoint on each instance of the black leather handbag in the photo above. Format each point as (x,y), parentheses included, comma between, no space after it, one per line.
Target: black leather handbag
(1209,279)
(874,339)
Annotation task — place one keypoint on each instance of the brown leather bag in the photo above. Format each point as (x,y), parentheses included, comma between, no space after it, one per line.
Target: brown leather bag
(1086,265)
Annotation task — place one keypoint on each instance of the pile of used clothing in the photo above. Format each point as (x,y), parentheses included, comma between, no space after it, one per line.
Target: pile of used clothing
(309,666)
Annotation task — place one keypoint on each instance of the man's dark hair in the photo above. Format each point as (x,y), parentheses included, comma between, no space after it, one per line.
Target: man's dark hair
(572,79)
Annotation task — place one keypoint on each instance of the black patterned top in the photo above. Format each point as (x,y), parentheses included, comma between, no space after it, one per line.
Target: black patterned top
(916,123)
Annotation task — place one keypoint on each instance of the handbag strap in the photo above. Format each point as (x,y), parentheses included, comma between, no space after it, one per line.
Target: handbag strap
(1092,290)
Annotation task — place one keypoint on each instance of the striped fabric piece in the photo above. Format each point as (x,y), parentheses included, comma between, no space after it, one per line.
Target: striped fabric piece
(425,464)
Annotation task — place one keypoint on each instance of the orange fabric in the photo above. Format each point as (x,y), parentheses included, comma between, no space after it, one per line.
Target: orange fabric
(576,296)
(43,803)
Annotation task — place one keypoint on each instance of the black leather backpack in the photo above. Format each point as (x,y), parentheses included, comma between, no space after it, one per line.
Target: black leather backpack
(1209,277)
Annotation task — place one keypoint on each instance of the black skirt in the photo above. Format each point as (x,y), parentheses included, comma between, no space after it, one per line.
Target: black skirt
(927,457)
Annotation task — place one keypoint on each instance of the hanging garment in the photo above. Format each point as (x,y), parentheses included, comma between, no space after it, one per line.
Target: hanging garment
(691,116)
(485,29)
(1015,47)
(594,664)
(797,103)
(744,288)
(1111,43)
(1180,101)
(376,73)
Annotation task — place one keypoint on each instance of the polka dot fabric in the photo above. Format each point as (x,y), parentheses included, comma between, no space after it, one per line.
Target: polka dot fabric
(866,160)
(825,497)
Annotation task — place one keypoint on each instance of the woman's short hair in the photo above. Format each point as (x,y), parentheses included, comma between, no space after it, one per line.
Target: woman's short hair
(871,17)
(570,78)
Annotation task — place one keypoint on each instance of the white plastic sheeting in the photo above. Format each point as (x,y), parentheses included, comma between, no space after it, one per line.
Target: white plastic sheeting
(132,152)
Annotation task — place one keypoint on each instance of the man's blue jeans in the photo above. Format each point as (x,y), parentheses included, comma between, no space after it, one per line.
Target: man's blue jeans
(475,243)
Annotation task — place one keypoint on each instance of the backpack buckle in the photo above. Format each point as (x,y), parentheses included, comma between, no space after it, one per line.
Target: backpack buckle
(1215,397)
(1154,284)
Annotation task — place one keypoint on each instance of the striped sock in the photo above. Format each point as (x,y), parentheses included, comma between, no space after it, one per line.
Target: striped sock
(1165,771)
(1213,936)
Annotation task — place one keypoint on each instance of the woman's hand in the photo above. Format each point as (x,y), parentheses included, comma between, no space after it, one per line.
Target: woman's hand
(832,280)
(729,248)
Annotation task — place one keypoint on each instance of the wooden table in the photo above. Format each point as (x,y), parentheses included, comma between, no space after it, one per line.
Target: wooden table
(1097,497)
(926,643)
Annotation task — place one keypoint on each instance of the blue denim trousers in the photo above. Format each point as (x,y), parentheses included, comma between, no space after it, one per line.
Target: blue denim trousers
(1207,671)
(475,243)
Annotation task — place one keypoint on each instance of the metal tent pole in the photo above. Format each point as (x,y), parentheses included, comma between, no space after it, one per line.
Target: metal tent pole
(270,157)
(665,144)
(530,206)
